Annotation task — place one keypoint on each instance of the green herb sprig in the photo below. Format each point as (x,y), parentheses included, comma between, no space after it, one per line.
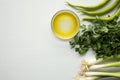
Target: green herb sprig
(103,37)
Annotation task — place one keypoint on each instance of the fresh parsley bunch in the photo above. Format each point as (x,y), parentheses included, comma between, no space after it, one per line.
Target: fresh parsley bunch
(103,37)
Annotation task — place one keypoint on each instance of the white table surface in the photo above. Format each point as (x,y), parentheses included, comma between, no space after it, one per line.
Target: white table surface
(28,48)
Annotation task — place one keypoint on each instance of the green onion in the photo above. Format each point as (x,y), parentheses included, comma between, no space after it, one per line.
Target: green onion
(113,64)
(95,70)
(106,74)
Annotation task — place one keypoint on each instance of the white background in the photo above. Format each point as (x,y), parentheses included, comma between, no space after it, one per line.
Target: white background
(28,48)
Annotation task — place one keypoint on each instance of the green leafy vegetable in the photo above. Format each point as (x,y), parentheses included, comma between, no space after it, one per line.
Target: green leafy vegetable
(103,37)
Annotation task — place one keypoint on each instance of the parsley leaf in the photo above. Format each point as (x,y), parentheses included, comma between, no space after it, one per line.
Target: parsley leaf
(103,37)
